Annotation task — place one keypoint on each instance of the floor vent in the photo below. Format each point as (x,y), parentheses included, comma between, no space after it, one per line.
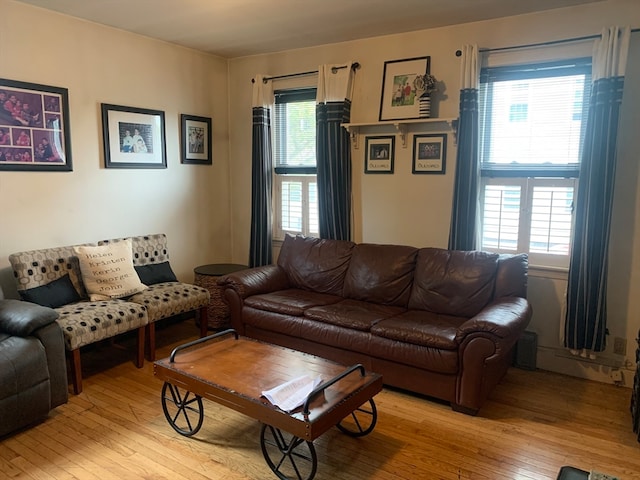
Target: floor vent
(526,351)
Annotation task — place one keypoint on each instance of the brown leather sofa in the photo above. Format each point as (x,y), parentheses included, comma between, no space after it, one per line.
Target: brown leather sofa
(437,322)
(33,376)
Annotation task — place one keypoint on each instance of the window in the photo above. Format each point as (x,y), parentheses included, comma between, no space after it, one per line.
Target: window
(532,122)
(296,190)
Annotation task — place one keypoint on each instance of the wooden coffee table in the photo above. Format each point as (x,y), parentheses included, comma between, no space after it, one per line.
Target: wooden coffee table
(234,371)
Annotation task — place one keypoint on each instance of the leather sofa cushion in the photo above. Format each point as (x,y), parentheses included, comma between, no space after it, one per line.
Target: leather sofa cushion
(456,283)
(381,274)
(290,302)
(349,340)
(421,328)
(352,314)
(511,279)
(315,264)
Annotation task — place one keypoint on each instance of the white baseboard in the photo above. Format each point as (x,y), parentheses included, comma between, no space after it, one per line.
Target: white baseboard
(600,369)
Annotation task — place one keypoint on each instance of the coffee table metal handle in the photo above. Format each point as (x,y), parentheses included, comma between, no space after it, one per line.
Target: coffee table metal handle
(322,387)
(201,340)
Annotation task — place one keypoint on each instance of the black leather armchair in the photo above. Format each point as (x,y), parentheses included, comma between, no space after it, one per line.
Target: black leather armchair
(33,373)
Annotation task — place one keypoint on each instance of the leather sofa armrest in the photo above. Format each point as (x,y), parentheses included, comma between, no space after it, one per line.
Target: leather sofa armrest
(245,283)
(23,318)
(52,340)
(505,317)
(255,281)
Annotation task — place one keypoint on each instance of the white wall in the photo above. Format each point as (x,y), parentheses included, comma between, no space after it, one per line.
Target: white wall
(205,210)
(190,203)
(415,209)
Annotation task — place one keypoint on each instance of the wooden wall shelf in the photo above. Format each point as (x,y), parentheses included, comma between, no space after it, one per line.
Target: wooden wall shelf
(401,126)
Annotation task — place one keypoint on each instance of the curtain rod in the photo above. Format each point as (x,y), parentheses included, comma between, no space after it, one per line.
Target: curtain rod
(541,44)
(354,66)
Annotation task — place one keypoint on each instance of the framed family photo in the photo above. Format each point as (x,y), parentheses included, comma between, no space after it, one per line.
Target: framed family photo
(196,139)
(400,98)
(34,127)
(379,154)
(429,153)
(133,137)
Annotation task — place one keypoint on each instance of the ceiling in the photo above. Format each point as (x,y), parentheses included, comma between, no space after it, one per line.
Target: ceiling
(236,28)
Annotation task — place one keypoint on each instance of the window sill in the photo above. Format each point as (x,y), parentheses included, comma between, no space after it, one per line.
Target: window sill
(542,271)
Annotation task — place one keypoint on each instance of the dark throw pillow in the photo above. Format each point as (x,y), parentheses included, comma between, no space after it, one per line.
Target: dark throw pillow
(54,294)
(156,273)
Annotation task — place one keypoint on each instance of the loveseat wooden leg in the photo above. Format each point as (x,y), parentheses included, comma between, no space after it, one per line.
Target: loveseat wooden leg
(466,410)
(151,340)
(76,370)
(140,352)
(203,318)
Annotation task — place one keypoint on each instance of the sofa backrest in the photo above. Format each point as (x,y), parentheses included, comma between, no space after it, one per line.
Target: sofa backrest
(315,264)
(36,268)
(454,283)
(512,276)
(147,249)
(381,274)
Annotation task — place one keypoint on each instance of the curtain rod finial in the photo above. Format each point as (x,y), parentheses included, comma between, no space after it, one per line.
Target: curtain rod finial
(458,53)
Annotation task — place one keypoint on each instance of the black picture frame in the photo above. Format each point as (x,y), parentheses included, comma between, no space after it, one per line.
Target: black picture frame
(379,154)
(399,98)
(34,127)
(429,154)
(133,137)
(196,142)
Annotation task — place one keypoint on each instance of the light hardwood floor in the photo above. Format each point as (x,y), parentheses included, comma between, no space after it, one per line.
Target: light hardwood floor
(534,423)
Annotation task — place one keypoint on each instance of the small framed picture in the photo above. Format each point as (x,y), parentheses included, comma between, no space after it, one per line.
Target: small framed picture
(34,127)
(379,154)
(196,140)
(429,153)
(400,95)
(133,137)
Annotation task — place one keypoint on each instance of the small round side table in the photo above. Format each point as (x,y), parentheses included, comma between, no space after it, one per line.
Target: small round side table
(207,276)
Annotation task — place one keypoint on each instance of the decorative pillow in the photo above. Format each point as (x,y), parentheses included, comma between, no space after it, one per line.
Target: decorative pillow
(54,294)
(153,273)
(107,270)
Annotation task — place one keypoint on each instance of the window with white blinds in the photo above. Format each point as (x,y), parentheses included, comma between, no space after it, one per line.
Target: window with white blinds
(532,123)
(298,212)
(296,193)
(533,215)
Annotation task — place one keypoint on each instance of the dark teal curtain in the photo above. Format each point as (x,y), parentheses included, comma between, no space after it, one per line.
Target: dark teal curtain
(586,321)
(334,170)
(462,233)
(260,252)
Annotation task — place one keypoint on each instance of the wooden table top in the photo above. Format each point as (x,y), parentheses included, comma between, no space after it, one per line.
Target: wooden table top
(235,372)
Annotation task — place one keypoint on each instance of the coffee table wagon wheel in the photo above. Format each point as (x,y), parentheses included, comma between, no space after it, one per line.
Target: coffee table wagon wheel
(182,409)
(361,421)
(288,456)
